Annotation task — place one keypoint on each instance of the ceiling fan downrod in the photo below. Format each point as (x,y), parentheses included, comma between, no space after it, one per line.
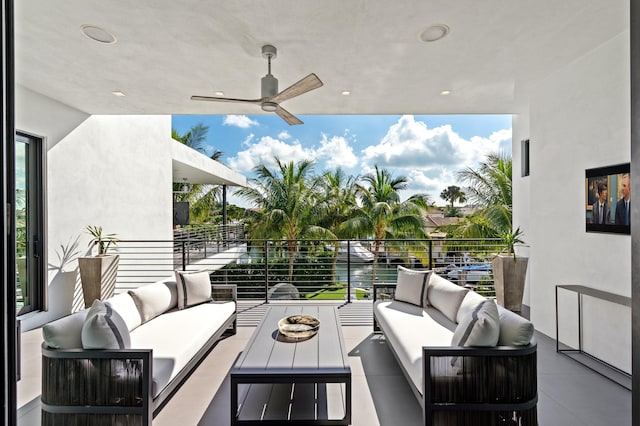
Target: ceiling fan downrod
(269,84)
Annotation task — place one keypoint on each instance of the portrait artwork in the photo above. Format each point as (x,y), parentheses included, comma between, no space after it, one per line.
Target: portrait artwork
(608,199)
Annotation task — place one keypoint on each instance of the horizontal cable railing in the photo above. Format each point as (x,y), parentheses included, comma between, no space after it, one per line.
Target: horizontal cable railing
(313,270)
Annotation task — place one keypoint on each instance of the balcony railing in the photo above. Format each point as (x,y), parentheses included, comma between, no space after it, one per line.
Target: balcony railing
(310,270)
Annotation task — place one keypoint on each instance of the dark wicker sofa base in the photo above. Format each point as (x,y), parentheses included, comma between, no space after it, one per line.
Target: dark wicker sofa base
(109,387)
(497,386)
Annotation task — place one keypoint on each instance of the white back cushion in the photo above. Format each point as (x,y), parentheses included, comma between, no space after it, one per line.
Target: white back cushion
(66,332)
(445,296)
(412,286)
(155,299)
(514,330)
(124,305)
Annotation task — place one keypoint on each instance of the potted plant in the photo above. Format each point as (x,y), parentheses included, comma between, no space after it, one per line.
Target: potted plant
(509,272)
(98,273)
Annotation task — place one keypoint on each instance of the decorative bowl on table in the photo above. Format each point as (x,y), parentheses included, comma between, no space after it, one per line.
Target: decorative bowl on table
(299,326)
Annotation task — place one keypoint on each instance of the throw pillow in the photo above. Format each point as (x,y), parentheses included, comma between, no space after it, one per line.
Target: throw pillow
(193,288)
(481,328)
(412,286)
(104,328)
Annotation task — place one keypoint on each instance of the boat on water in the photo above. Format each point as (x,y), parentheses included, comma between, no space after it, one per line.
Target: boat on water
(469,273)
(355,251)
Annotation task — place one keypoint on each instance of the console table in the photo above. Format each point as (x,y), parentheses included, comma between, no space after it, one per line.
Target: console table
(578,354)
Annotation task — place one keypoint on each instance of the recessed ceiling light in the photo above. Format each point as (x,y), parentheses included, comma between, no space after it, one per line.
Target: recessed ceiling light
(98,34)
(118,93)
(445,92)
(346,92)
(219,93)
(434,33)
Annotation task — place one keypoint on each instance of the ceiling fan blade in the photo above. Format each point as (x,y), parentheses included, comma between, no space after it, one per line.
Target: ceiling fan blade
(216,99)
(287,116)
(305,85)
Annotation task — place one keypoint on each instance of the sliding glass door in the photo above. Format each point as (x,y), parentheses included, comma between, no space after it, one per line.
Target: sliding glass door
(29,223)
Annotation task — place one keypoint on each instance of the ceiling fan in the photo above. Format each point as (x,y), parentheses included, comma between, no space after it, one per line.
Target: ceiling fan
(271,99)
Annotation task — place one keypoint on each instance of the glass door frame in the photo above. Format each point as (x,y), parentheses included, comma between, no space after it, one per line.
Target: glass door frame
(35,173)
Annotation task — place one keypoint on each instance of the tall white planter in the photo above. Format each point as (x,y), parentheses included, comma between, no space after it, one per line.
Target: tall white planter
(98,276)
(508,278)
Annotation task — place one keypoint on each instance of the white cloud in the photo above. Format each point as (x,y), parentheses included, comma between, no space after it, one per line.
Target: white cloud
(284,135)
(332,153)
(336,152)
(264,150)
(411,144)
(247,141)
(430,158)
(241,121)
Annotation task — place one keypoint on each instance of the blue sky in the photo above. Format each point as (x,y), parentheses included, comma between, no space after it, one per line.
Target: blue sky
(427,149)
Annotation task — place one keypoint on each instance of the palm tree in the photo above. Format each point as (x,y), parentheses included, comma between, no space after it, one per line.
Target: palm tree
(452,194)
(216,155)
(195,138)
(288,203)
(202,198)
(338,204)
(489,189)
(382,214)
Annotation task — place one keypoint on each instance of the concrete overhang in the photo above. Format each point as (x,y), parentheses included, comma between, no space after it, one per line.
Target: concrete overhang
(198,168)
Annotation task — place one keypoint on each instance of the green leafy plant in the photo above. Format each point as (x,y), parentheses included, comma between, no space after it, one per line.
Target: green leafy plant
(510,239)
(103,241)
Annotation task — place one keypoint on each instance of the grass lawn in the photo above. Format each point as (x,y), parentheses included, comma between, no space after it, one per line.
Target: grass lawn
(336,293)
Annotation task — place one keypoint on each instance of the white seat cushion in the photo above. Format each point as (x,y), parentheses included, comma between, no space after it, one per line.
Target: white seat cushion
(177,336)
(408,328)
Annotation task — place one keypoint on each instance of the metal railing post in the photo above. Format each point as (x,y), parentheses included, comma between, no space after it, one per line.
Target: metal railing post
(266,271)
(430,254)
(184,256)
(348,271)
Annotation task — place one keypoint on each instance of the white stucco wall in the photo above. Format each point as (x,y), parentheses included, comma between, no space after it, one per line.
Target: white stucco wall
(45,117)
(110,171)
(579,119)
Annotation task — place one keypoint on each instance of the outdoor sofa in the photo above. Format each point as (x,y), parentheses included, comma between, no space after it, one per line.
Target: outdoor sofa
(121,360)
(468,360)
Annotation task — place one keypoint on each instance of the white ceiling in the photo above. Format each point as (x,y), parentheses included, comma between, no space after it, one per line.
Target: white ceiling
(168,50)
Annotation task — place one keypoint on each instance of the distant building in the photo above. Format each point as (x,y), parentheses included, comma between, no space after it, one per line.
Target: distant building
(436,220)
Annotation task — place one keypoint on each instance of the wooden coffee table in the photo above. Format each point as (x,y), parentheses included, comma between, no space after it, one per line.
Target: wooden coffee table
(293,382)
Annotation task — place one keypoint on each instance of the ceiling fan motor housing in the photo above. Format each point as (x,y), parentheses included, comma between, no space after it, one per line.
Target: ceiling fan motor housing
(269,86)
